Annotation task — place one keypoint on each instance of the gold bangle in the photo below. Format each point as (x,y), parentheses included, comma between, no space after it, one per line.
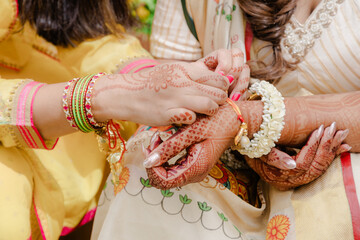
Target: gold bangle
(241,136)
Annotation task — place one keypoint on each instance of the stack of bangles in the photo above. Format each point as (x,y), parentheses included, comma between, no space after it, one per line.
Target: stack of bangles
(270,128)
(77,103)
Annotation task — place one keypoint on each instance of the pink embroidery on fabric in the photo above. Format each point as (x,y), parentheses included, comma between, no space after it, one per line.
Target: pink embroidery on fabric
(21,104)
(132,65)
(20,116)
(87,218)
(37,217)
(25,133)
(33,125)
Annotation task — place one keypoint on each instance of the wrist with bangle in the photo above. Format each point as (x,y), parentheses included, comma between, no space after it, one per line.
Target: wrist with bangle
(270,128)
(77,106)
(77,103)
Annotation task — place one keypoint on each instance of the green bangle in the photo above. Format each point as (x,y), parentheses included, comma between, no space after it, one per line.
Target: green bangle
(84,119)
(78,102)
(75,103)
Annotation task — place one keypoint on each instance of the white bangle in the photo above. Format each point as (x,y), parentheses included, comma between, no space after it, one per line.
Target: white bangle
(273,121)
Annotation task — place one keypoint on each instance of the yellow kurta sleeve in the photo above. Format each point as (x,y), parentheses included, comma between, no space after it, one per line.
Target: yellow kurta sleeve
(16,122)
(6,87)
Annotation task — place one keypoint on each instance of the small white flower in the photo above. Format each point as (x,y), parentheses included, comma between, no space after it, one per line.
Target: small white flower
(273,120)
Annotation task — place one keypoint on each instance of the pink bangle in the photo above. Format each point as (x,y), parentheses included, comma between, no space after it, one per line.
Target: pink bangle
(137,65)
(67,99)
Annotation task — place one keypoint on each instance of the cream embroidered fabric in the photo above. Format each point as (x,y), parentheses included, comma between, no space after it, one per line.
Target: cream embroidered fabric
(329,62)
(172,43)
(300,38)
(331,37)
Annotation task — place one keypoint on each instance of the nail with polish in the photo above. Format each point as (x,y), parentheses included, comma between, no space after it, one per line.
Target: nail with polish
(344,134)
(231,78)
(347,148)
(236,97)
(332,128)
(221,73)
(152,160)
(320,131)
(290,163)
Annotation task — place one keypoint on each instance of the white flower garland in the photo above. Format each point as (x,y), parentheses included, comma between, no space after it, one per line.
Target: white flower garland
(273,121)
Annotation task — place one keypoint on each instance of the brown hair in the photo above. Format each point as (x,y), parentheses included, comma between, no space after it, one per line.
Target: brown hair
(268,19)
(66,22)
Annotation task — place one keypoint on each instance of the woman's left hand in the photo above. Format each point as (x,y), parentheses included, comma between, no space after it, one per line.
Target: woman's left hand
(206,140)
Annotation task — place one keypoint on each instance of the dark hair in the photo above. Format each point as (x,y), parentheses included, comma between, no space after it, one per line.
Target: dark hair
(67,22)
(268,19)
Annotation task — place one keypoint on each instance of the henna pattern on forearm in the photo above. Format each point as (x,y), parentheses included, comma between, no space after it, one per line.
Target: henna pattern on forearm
(305,114)
(308,112)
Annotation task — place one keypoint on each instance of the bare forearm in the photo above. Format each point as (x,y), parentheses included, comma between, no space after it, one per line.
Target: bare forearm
(48,115)
(48,112)
(165,94)
(305,114)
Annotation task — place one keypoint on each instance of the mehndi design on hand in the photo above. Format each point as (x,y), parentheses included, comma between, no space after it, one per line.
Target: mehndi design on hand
(311,161)
(209,136)
(172,92)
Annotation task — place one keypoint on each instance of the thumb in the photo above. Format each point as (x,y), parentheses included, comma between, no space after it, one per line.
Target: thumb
(279,159)
(181,140)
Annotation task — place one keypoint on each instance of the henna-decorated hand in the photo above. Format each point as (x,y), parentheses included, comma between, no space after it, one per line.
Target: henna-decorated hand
(162,95)
(311,161)
(208,138)
(231,64)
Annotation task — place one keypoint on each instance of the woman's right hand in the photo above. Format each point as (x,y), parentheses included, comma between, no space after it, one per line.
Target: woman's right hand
(311,161)
(163,95)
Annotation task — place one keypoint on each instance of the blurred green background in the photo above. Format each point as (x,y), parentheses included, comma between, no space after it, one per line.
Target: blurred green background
(143,12)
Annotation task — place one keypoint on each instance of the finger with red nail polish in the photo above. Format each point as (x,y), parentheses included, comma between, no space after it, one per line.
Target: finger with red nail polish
(235,97)
(231,78)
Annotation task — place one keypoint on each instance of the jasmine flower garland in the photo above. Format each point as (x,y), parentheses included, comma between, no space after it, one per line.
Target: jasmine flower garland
(273,121)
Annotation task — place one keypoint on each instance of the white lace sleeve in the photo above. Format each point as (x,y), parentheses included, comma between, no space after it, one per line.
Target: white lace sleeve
(171,37)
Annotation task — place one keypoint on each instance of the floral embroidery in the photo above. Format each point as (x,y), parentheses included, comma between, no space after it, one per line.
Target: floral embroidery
(299,39)
(123,180)
(225,9)
(278,227)
(204,210)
